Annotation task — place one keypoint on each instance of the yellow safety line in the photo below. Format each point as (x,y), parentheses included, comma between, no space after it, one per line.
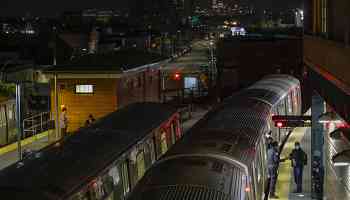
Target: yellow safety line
(285,169)
(24,142)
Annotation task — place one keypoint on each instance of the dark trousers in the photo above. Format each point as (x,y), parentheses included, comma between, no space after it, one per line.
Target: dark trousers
(63,132)
(273,179)
(298,178)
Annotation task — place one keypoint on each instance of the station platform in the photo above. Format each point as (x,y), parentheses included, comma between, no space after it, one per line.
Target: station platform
(9,153)
(285,183)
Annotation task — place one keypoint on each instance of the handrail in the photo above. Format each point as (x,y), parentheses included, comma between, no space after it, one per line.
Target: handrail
(36,123)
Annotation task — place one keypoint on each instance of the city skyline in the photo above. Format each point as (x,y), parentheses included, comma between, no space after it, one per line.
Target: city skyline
(17,8)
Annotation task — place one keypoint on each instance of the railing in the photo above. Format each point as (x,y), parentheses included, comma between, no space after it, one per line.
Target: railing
(183,94)
(36,124)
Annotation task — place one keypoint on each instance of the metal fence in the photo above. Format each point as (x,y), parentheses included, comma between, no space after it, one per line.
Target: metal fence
(184,94)
(37,124)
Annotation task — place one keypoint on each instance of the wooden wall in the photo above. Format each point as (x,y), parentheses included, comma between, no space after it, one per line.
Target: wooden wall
(109,94)
(79,106)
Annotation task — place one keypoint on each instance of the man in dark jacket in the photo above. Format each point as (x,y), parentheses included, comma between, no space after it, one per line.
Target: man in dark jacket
(272,162)
(299,159)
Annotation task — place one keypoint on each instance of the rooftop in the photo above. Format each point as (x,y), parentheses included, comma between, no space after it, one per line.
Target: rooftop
(118,62)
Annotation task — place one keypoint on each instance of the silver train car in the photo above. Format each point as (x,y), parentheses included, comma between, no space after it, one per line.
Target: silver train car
(224,156)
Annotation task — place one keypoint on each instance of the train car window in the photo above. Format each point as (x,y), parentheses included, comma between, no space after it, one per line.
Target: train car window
(96,190)
(178,128)
(255,181)
(140,164)
(2,117)
(9,113)
(289,103)
(155,153)
(108,183)
(244,189)
(217,167)
(148,152)
(173,133)
(163,142)
(125,177)
(82,195)
(114,174)
(281,109)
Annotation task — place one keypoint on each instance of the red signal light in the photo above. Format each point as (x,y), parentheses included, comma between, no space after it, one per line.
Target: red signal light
(279,124)
(177,76)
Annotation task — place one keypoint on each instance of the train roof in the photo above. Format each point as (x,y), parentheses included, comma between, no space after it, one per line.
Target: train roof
(232,130)
(276,86)
(136,117)
(61,168)
(187,180)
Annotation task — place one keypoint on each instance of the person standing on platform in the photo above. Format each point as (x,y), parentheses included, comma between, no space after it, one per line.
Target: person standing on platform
(269,141)
(64,122)
(299,160)
(90,121)
(272,162)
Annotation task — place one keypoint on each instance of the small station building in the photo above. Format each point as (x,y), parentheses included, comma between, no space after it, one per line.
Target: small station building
(97,84)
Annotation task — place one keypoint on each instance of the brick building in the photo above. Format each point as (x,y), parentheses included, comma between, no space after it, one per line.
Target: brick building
(98,84)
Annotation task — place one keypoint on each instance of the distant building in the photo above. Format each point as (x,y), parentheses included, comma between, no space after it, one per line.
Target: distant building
(252,57)
(98,84)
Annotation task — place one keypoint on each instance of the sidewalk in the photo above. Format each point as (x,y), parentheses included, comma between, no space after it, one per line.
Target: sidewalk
(285,182)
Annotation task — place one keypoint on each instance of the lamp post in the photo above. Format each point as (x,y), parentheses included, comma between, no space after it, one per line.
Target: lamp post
(212,61)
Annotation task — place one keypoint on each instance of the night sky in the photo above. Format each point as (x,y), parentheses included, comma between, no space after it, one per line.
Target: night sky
(55,7)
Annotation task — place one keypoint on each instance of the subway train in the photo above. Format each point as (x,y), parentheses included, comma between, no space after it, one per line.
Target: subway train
(8,129)
(223,157)
(101,162)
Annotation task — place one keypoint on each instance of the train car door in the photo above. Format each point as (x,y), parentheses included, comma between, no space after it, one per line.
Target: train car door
(125,177)
(3,126)
(140,164)
(173,132)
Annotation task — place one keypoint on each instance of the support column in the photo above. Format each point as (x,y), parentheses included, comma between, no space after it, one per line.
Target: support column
(317,133)
(57,128)
(19,119)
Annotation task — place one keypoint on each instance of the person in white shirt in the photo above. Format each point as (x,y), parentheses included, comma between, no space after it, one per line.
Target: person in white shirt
(64,122)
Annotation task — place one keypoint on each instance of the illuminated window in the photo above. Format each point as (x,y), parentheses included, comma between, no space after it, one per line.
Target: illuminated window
(163,142)
(125,177)
(140,160)
(84,89)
